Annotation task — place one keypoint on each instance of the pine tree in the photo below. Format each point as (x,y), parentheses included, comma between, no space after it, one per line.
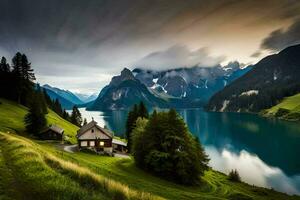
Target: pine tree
(24,78)
(76,116)
(143,112)
(42,99)
(35,120)
(4,66)
(85,122)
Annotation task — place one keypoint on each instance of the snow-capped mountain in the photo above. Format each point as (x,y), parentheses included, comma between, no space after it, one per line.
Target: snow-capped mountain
(191,85)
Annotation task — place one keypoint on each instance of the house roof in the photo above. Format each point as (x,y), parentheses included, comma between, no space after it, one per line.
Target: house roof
(90,125)
(55,129)
(119,142)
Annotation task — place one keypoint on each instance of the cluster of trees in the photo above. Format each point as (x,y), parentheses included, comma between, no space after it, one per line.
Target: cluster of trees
(16,81)
(17,84)
(74,117)
(163,145)
(138,110)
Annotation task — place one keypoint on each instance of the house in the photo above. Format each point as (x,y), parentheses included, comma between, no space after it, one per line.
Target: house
(52,133)
(92,136)
(119,146)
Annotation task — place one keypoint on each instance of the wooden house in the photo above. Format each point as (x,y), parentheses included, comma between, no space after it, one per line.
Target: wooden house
(92,136)
(52,133)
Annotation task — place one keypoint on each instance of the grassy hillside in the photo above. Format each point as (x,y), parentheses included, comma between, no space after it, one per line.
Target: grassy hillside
(39,170)
(12,116)
(86,176)
(288,109)
(32,172)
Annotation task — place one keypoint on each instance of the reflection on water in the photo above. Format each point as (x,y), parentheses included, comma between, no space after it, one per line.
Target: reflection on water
(253,170)
(265,152)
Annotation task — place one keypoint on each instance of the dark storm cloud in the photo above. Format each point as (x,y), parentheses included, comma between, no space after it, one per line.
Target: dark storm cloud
(280,38)
(63,37)
(178,56)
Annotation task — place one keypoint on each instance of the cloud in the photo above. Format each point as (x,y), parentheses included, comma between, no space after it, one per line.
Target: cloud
(256,54)
(280,38)
(178,56)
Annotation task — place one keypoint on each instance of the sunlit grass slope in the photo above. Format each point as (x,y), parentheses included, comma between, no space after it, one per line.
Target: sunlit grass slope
(215,185)
(12,119)
(39,170)
(288,109)
(31,172)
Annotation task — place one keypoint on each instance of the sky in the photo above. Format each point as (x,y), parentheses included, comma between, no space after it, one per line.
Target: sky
(79,45)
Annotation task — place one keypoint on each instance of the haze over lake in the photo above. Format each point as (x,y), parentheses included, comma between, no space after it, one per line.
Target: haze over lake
(265,152)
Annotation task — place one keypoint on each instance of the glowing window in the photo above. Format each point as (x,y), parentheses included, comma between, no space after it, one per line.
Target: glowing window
(83,143)
(92,143)
(101,143)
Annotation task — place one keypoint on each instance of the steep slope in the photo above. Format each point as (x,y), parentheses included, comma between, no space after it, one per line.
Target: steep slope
(12,119)
(288,109)
(123,92)
(270,80)
(66,98)
(66,104)
(192,87)
(65,94)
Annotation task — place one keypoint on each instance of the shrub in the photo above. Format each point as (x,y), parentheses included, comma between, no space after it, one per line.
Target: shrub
(234,176)
(281,112)
(164,146)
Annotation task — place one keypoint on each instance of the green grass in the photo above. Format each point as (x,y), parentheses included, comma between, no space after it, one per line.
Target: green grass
(39,174)
(288,109)
(12,119)
(39,170)
(215,185)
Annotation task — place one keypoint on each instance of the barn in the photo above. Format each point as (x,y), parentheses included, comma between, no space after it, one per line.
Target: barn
(52,133)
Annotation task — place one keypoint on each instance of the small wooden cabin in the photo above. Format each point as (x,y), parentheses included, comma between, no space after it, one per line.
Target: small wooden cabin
(52,133)
(119,146)
(92,136)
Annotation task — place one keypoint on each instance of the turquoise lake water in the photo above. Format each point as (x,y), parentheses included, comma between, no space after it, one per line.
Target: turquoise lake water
(266,152)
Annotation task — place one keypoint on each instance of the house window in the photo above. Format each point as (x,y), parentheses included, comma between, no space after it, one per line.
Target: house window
(83,143)
(101,143)
(92,130)
(92,143)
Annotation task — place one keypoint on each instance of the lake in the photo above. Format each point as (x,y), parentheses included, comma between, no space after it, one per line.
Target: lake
(266,152)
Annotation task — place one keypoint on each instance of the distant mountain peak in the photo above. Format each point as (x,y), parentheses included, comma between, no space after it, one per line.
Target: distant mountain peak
(126,74)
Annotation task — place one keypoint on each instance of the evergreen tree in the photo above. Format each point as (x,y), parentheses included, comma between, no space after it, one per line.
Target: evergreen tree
(48,99)
(4,66)
(76,116)
(66,115)
(57,107)
(35,120)
(42,99)
(24,78)
(6,83)
(164,146)
(85,122)
(142,110)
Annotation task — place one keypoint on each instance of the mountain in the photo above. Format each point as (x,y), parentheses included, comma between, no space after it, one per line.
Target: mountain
(190,87)
(86,98)
(271,79)
(66,98)
(65,94)
(123,92)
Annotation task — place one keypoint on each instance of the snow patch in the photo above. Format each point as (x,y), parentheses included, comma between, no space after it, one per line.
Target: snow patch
(155,80)
(225,104)
(249,93)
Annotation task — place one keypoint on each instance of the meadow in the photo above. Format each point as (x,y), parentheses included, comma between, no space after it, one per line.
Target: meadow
(288,109)
(35,169)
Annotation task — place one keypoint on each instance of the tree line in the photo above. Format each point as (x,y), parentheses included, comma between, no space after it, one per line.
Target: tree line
(162,144)
(17,84)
